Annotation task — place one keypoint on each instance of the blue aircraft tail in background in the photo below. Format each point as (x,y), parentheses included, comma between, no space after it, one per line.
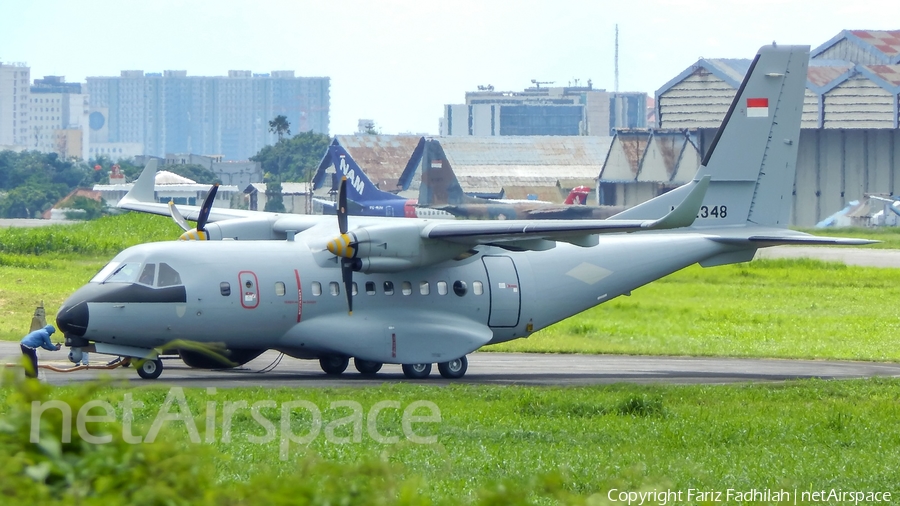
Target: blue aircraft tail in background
(359,188)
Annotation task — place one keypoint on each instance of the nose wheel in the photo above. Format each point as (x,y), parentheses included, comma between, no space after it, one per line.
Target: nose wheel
(150,369)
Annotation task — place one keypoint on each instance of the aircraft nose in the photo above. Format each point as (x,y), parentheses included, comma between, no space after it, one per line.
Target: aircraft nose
(72,319)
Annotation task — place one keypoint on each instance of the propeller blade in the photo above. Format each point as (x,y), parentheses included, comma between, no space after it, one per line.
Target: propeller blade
(206,208)
(176,215)
(342,206)
(347,275)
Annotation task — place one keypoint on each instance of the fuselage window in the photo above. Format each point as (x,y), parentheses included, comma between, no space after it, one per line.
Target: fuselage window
(279,288)
(388,288)
(459,288)
(406,288)
(168,276)
(225,288)
(147,275)
(477,288)
(442,287)
(370,288)
(354,289)
(334,288)
(316,288)
(424,288)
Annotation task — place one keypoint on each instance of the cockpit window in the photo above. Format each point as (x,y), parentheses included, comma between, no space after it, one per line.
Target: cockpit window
(125,272)
(147,275)
(167,276)
(105,272)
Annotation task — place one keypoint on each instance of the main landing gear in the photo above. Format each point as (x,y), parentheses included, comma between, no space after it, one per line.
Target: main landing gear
(335,365)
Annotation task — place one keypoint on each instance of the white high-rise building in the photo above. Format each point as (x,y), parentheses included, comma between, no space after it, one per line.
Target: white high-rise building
(14,95)
(58,118)
(171,112)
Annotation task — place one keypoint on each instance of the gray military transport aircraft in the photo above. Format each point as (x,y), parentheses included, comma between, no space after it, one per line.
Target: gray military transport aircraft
(419,291)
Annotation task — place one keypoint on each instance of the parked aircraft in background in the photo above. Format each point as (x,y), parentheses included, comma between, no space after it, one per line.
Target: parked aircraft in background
(418,292)
(892,200)
(366,199)
(440,189)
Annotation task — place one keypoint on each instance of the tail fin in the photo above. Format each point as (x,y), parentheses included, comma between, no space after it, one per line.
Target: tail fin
(578,196)
(752,159)
(359,187)
(439,183)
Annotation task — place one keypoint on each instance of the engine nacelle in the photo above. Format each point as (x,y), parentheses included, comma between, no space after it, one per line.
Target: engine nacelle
(249,229)
(392,248)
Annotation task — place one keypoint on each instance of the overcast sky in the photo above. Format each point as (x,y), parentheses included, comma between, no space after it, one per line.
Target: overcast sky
(398,62)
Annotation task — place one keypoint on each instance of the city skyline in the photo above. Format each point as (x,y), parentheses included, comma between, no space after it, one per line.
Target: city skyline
(398,62)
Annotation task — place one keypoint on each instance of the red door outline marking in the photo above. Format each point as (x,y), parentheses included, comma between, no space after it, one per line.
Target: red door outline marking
(252,293)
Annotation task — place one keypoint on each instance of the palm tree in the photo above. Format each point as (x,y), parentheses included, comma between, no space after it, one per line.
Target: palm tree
(280,126)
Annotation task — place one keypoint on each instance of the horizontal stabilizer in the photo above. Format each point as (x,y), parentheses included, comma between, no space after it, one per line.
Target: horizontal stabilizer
(762,241)
(576,232)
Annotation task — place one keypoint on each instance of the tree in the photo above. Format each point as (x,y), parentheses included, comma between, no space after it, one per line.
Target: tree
(274,198)
(293,159)
(85,208)
(280,126)
(30,200)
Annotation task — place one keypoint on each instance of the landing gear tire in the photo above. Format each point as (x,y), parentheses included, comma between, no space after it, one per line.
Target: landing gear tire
(334,365)
(416,371)
(367,366)
(150,369)
(454,369)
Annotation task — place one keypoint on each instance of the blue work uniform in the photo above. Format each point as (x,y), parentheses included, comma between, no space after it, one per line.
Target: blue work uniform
(38,339)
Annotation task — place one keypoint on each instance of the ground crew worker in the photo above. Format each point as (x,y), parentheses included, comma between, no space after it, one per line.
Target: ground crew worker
(30,343)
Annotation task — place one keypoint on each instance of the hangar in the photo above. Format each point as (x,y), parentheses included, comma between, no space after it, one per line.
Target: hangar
(519,167)
(849,140)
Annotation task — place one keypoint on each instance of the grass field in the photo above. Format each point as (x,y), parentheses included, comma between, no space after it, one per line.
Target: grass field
(494,444)
(889,236)
(520,443)
(771,308)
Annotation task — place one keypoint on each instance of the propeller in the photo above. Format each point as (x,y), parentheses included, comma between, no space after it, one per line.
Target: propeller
(344,246)
(198,233)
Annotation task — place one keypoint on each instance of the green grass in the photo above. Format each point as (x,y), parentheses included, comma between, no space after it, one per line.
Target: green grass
(771,308)
(766,308)
(889,236)
(49,263)
(583,441)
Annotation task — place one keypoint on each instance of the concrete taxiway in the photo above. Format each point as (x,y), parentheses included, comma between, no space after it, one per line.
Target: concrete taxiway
(484,368)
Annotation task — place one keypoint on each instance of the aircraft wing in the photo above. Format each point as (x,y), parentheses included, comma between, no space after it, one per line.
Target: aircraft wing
(526,233)
(140,198)
(189,212)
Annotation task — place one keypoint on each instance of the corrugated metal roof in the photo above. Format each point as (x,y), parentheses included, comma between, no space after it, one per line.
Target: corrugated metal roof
(542,193)
(889,73)
(821,73)
(888,42)
(730,70)
(381,157)
(487,164)
(862,46)
(166,177)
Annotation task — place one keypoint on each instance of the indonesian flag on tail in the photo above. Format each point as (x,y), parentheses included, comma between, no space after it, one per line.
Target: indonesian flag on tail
(757,107)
